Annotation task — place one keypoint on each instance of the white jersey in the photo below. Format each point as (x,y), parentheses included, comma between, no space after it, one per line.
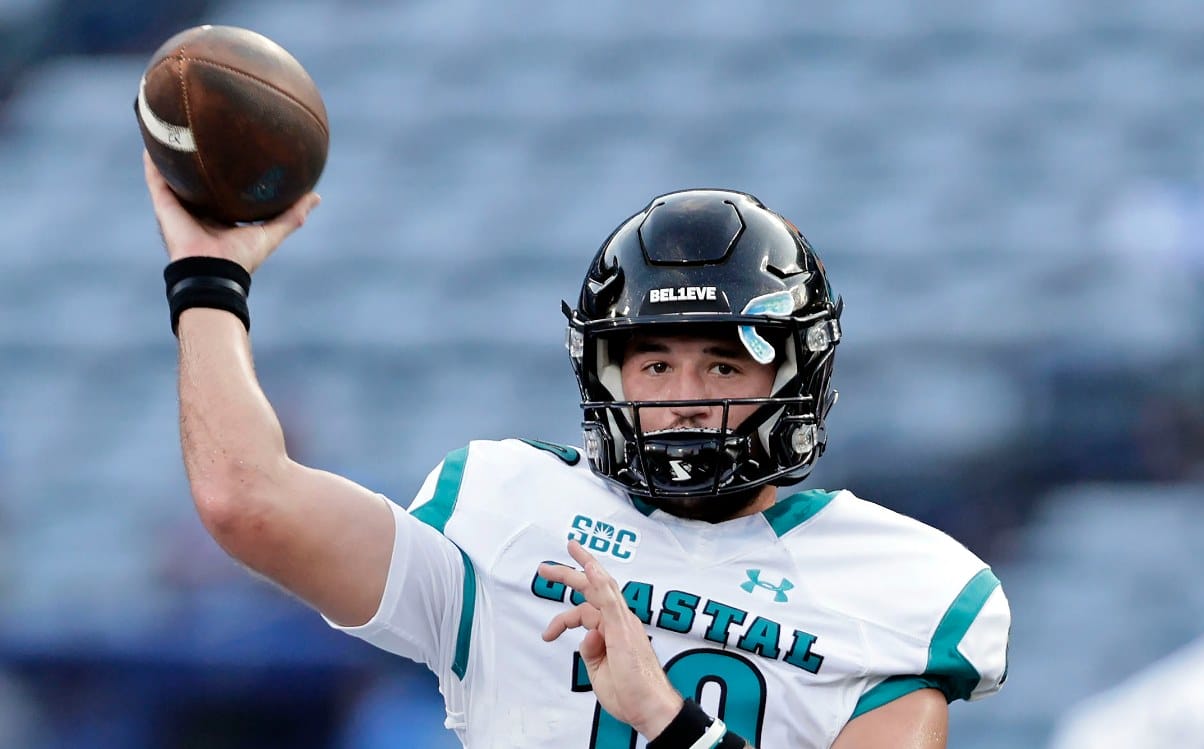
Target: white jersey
(787,623)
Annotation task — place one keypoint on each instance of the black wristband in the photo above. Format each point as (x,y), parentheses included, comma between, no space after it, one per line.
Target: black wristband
(207,282)
(689,726)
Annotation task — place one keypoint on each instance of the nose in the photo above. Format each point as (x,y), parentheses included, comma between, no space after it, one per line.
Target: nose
(689,386)
(690,413)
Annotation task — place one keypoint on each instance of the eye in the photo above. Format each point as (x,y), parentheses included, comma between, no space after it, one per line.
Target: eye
(656,367)
(724,369)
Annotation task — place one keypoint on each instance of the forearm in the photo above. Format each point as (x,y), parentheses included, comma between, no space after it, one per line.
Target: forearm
(310,531)
(321,536)
(230,435)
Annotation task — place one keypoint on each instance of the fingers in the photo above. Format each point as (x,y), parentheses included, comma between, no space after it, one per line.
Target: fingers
(185,235)
(604,601)
(151,172)
(601,589)
(593,646)
(582,615)
(562,573)
(593,582)
(602,595)
(167,205)
(578,553)
(288,222)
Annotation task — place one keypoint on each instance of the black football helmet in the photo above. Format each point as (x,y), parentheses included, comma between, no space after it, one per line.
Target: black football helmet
(706,257)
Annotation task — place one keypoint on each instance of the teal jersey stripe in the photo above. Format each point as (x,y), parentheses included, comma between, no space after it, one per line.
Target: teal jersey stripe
(644,508)
(567,454)
(947,669)
(435,513)
(468,609)
(892,689)
(438,510)
(958,675)
(791,512)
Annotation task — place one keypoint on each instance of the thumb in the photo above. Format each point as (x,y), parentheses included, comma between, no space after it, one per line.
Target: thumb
(277,229)
(592,648)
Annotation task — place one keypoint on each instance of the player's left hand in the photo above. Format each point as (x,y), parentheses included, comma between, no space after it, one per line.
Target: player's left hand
(626,676)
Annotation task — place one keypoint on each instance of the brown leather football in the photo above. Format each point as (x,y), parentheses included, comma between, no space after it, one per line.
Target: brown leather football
(234,123)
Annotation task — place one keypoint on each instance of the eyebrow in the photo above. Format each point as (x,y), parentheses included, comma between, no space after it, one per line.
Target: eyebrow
(724,350)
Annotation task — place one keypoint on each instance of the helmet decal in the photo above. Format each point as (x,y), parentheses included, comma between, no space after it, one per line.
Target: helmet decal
(773,304)
(682,294)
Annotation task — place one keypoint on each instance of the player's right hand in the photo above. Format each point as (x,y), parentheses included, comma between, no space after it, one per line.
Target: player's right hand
(185,235)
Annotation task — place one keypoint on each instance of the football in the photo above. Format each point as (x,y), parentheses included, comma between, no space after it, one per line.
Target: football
(233,121)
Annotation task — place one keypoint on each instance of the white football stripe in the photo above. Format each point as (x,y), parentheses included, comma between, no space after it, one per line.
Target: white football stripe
(172,136)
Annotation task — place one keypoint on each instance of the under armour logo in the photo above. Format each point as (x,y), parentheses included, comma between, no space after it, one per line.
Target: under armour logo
(755,581)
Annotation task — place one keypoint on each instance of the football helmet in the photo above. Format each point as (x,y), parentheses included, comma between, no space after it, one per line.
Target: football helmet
(706,257)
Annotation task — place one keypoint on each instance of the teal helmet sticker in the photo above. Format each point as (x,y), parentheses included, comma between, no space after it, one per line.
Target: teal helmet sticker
(774,304)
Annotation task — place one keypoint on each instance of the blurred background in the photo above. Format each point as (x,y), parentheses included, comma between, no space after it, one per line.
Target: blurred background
(1009,195)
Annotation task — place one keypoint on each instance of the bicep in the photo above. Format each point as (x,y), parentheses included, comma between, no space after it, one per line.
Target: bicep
(917,720)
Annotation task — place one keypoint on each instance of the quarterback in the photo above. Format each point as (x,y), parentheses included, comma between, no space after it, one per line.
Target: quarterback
(719,608)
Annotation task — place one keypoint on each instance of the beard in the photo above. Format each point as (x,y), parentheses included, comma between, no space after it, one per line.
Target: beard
(707,509)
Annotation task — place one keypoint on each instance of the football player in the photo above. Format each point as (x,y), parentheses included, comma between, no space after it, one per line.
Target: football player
(718,611)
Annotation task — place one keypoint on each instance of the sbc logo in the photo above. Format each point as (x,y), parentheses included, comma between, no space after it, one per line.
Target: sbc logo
(603,538)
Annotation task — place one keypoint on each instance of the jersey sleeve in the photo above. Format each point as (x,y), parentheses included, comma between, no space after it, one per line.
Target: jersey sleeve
(931,612)
(429,585)
(966,653)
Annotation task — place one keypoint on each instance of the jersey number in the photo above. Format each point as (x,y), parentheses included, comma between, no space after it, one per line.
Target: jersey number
(741,696)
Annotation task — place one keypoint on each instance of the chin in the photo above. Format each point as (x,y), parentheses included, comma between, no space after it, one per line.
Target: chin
(709,509)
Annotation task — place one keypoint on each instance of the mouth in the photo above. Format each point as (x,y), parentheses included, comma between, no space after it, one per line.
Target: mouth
(690,429)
